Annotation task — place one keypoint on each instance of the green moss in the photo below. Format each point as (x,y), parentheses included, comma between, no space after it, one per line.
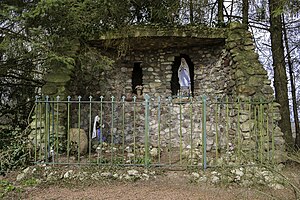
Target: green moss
(57,77)
(49,89)
(30,182)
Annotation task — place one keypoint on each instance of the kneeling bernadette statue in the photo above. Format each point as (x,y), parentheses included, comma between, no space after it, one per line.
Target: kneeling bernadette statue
(184,78)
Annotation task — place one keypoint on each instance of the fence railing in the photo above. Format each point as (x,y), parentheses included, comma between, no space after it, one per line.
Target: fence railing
(173,132)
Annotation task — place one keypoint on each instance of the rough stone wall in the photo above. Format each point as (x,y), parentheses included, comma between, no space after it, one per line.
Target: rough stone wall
(230,70)
(210,78)
(250,81)
(249,76)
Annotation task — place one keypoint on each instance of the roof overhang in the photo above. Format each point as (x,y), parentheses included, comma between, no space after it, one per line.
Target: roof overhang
(153,37)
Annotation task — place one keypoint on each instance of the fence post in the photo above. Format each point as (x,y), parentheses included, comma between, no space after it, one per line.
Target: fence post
(68,130)
(159,121)
(147,98)
(79,127)
(47,129)
(204,131)
(90,125)
(134,129)
(36,121)
(123,128)
(112,131)
(57,125)
(170,128)
(191,131)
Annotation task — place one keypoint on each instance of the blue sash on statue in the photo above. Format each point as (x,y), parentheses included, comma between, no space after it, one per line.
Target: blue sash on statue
(185,78)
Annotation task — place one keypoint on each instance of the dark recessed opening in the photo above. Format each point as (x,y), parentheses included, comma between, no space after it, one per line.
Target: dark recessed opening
(175,80)
(137,76)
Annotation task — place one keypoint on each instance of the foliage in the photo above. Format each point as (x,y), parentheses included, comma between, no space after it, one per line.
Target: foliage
(37,36)
(30,182)
(5,187)
(14,150)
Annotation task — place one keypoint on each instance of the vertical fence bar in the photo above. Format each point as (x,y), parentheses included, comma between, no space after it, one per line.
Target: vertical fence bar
(57,125)
(170,129)
(217,127)
(79,121)
(68,130)
(251,155)
(123,129)
(191,131)
(49,129)
(239,129)
(99,156)
(101,120)
(227,124)
(204,132)
(90,127)
(111,131)
(134,129)
(36,132)
(46,128)
(40,130)
(256,131)
(147,98)
(261,130)
(159,118)
(272,132)
(52,143)
(180,129)
(267,132)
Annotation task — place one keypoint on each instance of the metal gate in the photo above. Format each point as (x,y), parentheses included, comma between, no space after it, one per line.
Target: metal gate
(173,132)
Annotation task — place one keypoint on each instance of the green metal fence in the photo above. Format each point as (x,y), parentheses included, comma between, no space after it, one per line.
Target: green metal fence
(173,132)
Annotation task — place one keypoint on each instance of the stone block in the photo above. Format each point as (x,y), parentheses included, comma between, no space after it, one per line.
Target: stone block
(246,90)
(57,78)
(247,126)
(79,136)
(49,89)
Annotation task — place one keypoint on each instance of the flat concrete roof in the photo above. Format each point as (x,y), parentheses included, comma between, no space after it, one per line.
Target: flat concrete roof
(155,37)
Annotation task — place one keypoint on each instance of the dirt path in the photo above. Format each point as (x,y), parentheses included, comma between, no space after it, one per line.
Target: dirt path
(173,186)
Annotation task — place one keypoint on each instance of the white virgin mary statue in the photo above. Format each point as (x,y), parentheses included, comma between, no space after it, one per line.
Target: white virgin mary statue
(184,75)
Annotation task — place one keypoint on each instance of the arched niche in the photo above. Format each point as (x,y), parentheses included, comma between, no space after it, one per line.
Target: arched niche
(137,76)
(175,80)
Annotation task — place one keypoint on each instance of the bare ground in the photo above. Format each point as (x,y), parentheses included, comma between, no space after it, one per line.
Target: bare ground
(167,185)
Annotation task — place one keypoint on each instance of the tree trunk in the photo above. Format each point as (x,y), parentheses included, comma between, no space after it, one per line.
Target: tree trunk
(220,12)
(191,12)
(280,77)
(293,87)
(246,12)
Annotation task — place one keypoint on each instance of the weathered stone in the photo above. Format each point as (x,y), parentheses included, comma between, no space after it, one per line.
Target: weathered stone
(80,138)
(57,78)
(154,152)
(247,126)
(267,89)
(20,177)
(243,117)
(195,175)
(133,172)
(106,174)
(49,89)
(215,179)
(278,132)
(249,47)
(217,71)
(155,85)
(255,81)
(68,174)
(247,90)
(280,156)
(237,25)
(239,73)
